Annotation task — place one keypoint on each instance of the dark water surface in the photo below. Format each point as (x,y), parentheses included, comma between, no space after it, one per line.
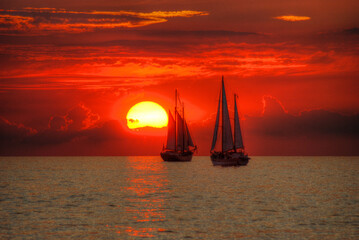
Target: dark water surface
(144,197)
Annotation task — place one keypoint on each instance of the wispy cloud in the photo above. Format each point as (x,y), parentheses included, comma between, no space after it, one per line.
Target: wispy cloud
(292,18)
(98,67)
(36,20)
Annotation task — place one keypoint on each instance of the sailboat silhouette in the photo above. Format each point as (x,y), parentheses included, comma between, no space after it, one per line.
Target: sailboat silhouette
(179,146)
(232,150)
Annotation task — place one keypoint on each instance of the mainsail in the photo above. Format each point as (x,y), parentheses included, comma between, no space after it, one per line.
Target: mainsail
(180,135)
(227,139)
(171,133)
(215,133)
(184,139)
(188,136)
(238,141)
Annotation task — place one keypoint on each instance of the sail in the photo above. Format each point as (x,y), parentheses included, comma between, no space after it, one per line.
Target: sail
(171,132)
(185,136)
(227,139)
(238,141)
(180,135)
(215,132)
(188,135)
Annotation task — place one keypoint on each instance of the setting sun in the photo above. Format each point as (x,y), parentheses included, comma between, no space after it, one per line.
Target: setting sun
(146,114)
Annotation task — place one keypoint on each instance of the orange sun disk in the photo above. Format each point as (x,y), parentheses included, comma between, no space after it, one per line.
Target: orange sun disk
(146,114)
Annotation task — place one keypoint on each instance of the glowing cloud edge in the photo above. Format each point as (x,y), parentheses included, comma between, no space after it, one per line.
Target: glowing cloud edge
(292,18)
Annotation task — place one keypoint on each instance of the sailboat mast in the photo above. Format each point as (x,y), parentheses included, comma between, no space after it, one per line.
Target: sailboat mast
(222,112)
(215,132)
(183,134)
(176,120)
(234,145)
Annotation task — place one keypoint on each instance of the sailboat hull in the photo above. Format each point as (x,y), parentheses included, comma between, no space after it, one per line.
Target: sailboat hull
(170,156)
(229,159)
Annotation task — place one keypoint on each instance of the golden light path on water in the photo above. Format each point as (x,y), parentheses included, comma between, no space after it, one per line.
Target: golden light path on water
(148,187)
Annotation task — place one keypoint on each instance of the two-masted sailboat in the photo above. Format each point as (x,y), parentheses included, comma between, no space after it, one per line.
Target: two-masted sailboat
(179,146)
(232,150)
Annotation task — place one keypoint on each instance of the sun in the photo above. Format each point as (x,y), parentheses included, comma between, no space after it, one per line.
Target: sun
(146,114)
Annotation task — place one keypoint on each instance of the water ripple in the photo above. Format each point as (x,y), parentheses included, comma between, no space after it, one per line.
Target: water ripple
(144,197)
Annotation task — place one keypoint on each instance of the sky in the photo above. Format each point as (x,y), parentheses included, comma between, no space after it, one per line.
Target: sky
(71,70)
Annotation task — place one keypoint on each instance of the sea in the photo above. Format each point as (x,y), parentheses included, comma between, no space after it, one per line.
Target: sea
(145,197)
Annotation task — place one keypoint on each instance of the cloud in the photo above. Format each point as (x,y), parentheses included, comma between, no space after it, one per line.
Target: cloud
(58,123)
(44,20)
(196,34)
(79,117)
(105,138)
(143,62)
(292,18)
(272,106)
(274,132)
(133,120)
(80,127)
(11,132)
(78,124)
(321,58)
(277,122)
(79,131)
(351,31)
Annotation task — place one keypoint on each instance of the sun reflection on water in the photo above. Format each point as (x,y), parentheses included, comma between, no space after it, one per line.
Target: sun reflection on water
(146,188)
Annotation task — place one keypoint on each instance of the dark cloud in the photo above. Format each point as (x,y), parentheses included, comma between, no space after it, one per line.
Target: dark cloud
(78,132)
(77,118)
(275,132)
(351,31)
(58,123)
(52,137)
(77,122)
(133,120)
(12,132)
(81,117)
(106,138)
(102,132)
(276,122)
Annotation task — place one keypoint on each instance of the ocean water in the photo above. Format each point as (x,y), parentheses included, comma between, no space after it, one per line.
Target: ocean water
(144,197)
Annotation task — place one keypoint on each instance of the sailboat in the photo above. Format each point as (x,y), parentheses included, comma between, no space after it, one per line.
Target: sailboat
(232,149)
(179,146)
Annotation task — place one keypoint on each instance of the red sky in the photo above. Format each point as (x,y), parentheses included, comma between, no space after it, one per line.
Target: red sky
(70,71)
